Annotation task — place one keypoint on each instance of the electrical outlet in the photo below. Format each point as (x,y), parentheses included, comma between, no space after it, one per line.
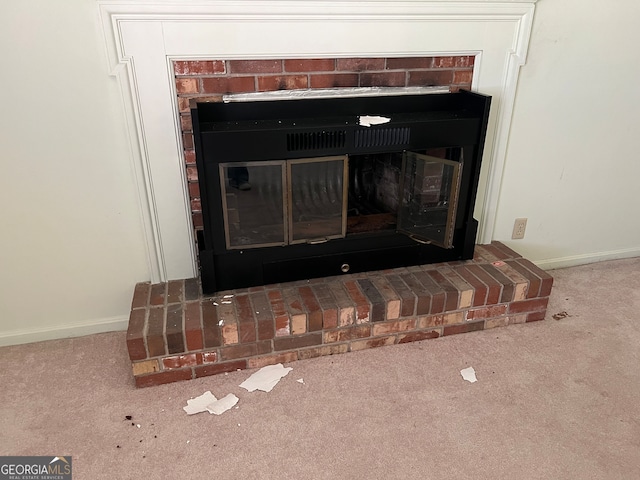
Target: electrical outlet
(519,227)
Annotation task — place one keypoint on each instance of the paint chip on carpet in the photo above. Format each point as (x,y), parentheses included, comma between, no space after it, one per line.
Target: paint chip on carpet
(469,374)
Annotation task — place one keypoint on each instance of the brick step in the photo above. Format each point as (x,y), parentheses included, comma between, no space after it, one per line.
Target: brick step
(175,333)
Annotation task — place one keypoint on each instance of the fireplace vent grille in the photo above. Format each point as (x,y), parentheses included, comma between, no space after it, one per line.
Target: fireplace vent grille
(316,140)
(382,137)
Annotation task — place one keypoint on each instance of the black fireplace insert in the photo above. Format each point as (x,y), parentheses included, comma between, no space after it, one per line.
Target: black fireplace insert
(315,187)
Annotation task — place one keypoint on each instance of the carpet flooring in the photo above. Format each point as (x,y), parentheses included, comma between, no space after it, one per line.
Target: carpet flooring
(556,399)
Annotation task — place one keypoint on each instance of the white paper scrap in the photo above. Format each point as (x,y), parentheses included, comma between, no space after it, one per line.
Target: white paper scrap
(300,380)
(199,404)
(368,120)
(469,374)
(266,378)
(220,406)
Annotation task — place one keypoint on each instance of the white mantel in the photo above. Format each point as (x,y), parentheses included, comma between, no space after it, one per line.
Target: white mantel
(144,38)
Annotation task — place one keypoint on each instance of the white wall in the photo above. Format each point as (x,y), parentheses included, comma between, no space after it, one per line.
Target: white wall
(71,246)
(71,241)
(573,161)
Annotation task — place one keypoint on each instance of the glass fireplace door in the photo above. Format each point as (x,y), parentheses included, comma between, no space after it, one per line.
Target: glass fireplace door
(318,195)
(430,188)
(254,204)
(282,202)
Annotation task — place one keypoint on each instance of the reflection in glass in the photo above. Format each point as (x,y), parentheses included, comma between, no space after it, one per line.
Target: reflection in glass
(429,198)
(374,192)
(253,203)
(317,210)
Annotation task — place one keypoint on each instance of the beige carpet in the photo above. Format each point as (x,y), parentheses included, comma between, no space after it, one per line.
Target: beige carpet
(558,399)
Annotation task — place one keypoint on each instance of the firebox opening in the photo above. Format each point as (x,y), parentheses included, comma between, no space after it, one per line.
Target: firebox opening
(375,197)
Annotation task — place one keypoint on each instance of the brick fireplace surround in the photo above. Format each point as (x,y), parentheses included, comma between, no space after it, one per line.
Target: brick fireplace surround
(175,333)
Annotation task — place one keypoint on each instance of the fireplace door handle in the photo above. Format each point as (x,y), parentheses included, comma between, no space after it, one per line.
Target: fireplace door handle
(419,240)
(318,241)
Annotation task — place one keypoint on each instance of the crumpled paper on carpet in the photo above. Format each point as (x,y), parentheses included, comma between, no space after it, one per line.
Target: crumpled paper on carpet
(266,378)
(207,402)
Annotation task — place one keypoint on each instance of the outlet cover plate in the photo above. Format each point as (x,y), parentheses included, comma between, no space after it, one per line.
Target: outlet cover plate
(519,227)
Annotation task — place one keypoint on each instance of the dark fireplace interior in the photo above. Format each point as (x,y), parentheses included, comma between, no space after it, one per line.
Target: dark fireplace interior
(298,189)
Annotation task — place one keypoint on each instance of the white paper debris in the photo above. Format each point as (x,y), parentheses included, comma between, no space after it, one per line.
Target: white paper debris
(228,296)
(368,120)
(300,380)
(220,406)
(266,378)
(199,404)
(138,425)
(207,402)
(469,374)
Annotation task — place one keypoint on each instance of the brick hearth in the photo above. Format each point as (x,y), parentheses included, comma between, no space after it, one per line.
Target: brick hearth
(175,333)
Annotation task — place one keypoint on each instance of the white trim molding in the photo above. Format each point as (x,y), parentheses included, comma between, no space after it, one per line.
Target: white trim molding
(587,258)
(142,39)
(68,330)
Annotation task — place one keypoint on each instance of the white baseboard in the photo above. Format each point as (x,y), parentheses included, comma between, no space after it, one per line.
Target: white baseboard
(30,335)
(575,260)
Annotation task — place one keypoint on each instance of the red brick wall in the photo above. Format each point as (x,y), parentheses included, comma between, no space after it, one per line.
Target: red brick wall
(206,77)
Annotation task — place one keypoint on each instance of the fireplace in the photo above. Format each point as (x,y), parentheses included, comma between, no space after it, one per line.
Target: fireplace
(305,188)
(177,333)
